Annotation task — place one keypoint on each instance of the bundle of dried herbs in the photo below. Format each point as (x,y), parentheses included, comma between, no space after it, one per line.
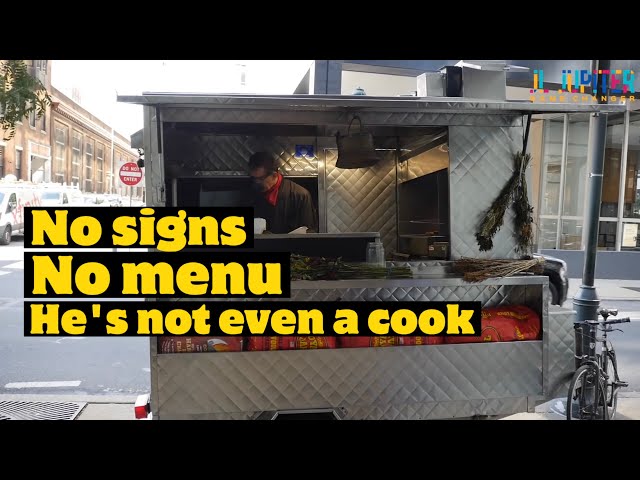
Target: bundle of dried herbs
(523,219)
(477,270)
(320,268)
(514,191)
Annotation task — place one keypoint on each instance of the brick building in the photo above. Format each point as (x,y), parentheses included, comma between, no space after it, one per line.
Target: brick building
(85,150)
(28,154)
(67,145)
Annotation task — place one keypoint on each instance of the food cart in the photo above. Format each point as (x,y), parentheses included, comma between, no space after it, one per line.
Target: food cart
(442,161)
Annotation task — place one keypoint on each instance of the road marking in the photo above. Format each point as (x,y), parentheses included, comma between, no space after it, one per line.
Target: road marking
(74,383)
(69,338)
(17,265)
(4,273)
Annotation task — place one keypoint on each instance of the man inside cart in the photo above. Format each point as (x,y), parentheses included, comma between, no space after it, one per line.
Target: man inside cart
(284,204)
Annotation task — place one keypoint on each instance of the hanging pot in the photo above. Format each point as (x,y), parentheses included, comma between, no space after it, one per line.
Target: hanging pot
(356,150)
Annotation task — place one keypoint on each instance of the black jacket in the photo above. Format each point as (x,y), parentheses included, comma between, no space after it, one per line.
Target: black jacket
(294,208)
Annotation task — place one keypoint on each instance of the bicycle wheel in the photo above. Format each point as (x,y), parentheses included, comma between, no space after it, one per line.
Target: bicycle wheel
(612,391)
(581,401)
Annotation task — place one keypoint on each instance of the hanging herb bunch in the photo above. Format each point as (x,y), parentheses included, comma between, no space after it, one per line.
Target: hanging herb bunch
(514,191)
(523,218)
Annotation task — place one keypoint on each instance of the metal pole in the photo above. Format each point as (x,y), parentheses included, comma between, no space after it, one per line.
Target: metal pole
(586,301)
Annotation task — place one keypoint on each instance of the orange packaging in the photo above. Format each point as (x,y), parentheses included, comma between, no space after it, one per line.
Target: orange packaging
(290,343)
(508,323)
(388,341)
(178,344)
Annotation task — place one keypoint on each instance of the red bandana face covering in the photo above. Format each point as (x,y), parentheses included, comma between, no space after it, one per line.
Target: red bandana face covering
(271,195)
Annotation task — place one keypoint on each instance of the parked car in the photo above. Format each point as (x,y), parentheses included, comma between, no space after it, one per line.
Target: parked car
(556,270)
(113,199)
(53,198)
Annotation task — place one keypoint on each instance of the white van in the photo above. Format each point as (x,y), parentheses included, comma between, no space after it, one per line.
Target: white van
(14,196)
(54,195)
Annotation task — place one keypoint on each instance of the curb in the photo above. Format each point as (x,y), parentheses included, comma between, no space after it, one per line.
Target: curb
(89,399)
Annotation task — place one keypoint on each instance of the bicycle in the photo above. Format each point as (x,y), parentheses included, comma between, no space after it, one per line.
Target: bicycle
(593,391)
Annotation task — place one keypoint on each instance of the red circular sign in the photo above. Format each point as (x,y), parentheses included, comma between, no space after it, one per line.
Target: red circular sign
(130,174)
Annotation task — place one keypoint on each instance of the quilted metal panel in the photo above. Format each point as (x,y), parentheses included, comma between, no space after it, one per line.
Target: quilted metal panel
(363,199)
(481,164)
(489,295)
(423,411)
(368,383)
(561,364)
(338,117)
(229,154)
(433,267)
(389,383)
(154,161)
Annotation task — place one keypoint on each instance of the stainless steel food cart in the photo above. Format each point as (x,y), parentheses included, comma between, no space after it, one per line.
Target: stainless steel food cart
(193,139)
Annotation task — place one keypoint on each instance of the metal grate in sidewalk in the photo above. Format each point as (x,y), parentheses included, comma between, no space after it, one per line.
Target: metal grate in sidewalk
(14,410)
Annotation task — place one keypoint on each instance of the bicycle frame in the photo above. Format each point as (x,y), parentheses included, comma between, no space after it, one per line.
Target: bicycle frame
(604,386)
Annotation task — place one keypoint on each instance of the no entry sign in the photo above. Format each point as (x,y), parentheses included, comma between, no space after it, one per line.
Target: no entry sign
(130,174)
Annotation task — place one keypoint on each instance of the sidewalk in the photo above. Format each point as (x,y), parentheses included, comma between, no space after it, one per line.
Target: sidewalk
(627,290)
(628,409)
(97,407)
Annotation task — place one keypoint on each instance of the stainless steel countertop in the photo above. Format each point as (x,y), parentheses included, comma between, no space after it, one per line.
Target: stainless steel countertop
(418,282)
(275,236)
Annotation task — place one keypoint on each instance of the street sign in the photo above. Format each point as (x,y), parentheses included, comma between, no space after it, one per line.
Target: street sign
(130,174)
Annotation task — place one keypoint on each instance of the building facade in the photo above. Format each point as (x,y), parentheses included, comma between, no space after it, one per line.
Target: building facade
(67,145)
(559,171)
(28,154)
(86,152)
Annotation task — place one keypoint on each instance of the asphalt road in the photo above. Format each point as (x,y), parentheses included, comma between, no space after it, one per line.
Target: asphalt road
(120,366)
(61,365)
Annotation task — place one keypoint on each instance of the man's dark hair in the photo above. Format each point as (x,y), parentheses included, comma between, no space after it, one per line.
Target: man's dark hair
(264,159)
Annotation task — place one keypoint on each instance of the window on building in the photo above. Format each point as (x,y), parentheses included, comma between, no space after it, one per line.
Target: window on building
(60,153)
(612,166)
(630,228)
(99,168)
(550,152)
(632,171)
(88,164)
(41,65)
(32,119)
(18,164)
(576,175)
(76,157)
(1,161)
(551,165)
(39,69)
(43,123)
(630,236)
(562,207)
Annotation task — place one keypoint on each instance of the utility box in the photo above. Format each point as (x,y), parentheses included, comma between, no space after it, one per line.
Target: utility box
(480,80)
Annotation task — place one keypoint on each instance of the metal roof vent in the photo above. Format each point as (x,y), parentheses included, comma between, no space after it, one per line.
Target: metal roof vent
(477,79)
